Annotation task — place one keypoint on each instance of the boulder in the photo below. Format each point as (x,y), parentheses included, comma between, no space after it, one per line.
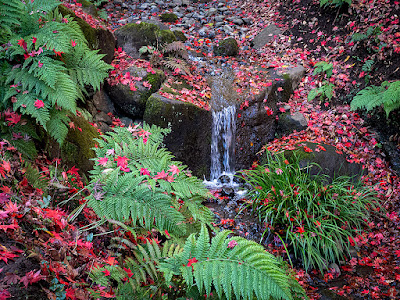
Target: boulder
(265,36)
(331,163)
(294,74)
(287,123)
(190,138)
(132,37)
(256,125)
(180,36)
(133,103)
(227,47)
(98,38)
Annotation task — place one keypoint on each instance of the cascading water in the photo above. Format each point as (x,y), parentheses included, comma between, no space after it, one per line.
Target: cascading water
(223,107)
(222,142)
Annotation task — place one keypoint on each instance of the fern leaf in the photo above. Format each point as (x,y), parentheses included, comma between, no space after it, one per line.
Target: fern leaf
(368,98)
(57,125)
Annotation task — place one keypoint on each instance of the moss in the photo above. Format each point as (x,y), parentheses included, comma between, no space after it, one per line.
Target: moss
(78,147)
(180,36)
(170,18)
(227,47)
(148,34)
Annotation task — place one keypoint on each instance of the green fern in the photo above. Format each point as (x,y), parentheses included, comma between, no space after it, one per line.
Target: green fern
(165,202)
(49,60)
(387,94)
(230,267)
(11,12)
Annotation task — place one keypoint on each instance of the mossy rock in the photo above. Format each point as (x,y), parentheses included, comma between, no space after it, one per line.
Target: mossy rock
(132,37)
(190,138)
(180,36)
(133,103)
(98,38)
(227,47)
(168,18)
(89,8)
(77,147)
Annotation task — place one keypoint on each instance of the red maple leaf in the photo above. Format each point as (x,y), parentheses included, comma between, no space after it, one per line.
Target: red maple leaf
(122,161)
(31,277)
(5,255)
(191,261)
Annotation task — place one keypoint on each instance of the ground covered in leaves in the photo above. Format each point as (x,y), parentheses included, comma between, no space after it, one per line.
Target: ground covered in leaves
(45,255)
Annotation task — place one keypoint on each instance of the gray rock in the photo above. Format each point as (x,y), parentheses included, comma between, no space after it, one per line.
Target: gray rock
(133,36)
(247,21)
(103,117)
(210,12)
(154,9)
(288,123)
(237,21)
(228,28)
(102,102)
(219,18)
(265,36)
(224,179)
(295,75)
(332,164)
(189,140)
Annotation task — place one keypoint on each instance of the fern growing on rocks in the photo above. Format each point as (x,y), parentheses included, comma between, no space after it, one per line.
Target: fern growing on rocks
(387,94)
(48,63)
(137,181)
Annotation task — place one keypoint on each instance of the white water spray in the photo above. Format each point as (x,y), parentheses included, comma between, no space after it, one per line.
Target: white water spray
(222,142)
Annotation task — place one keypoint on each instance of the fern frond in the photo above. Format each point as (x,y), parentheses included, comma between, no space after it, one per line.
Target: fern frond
(177,48)
(11,12)
(242,268)
(368,98)
(57,125)
(86,67)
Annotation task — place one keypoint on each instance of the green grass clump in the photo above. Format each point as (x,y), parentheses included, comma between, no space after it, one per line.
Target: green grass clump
(317,219)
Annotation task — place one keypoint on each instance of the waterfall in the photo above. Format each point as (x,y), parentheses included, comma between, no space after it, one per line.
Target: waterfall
(222,142)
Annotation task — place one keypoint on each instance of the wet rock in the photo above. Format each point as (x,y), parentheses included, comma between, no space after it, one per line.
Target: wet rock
(265,36)
(133,36)
(224,179)
(103,117)
(190,138)
(133,103)
(228,191)
(212,11)
(227,47)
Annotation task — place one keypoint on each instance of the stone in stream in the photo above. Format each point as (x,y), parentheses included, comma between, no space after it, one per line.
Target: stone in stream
(224,179)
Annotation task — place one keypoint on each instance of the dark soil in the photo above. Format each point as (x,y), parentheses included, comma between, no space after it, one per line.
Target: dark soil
(309,25)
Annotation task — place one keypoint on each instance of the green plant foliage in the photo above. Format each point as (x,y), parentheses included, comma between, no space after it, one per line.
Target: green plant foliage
(47,62)
(367,66)
(134,179)
(371,31)
(387,94)
(325,91)
(336,3)
(229,267)
(323,67)
(131,277)
(316,218)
